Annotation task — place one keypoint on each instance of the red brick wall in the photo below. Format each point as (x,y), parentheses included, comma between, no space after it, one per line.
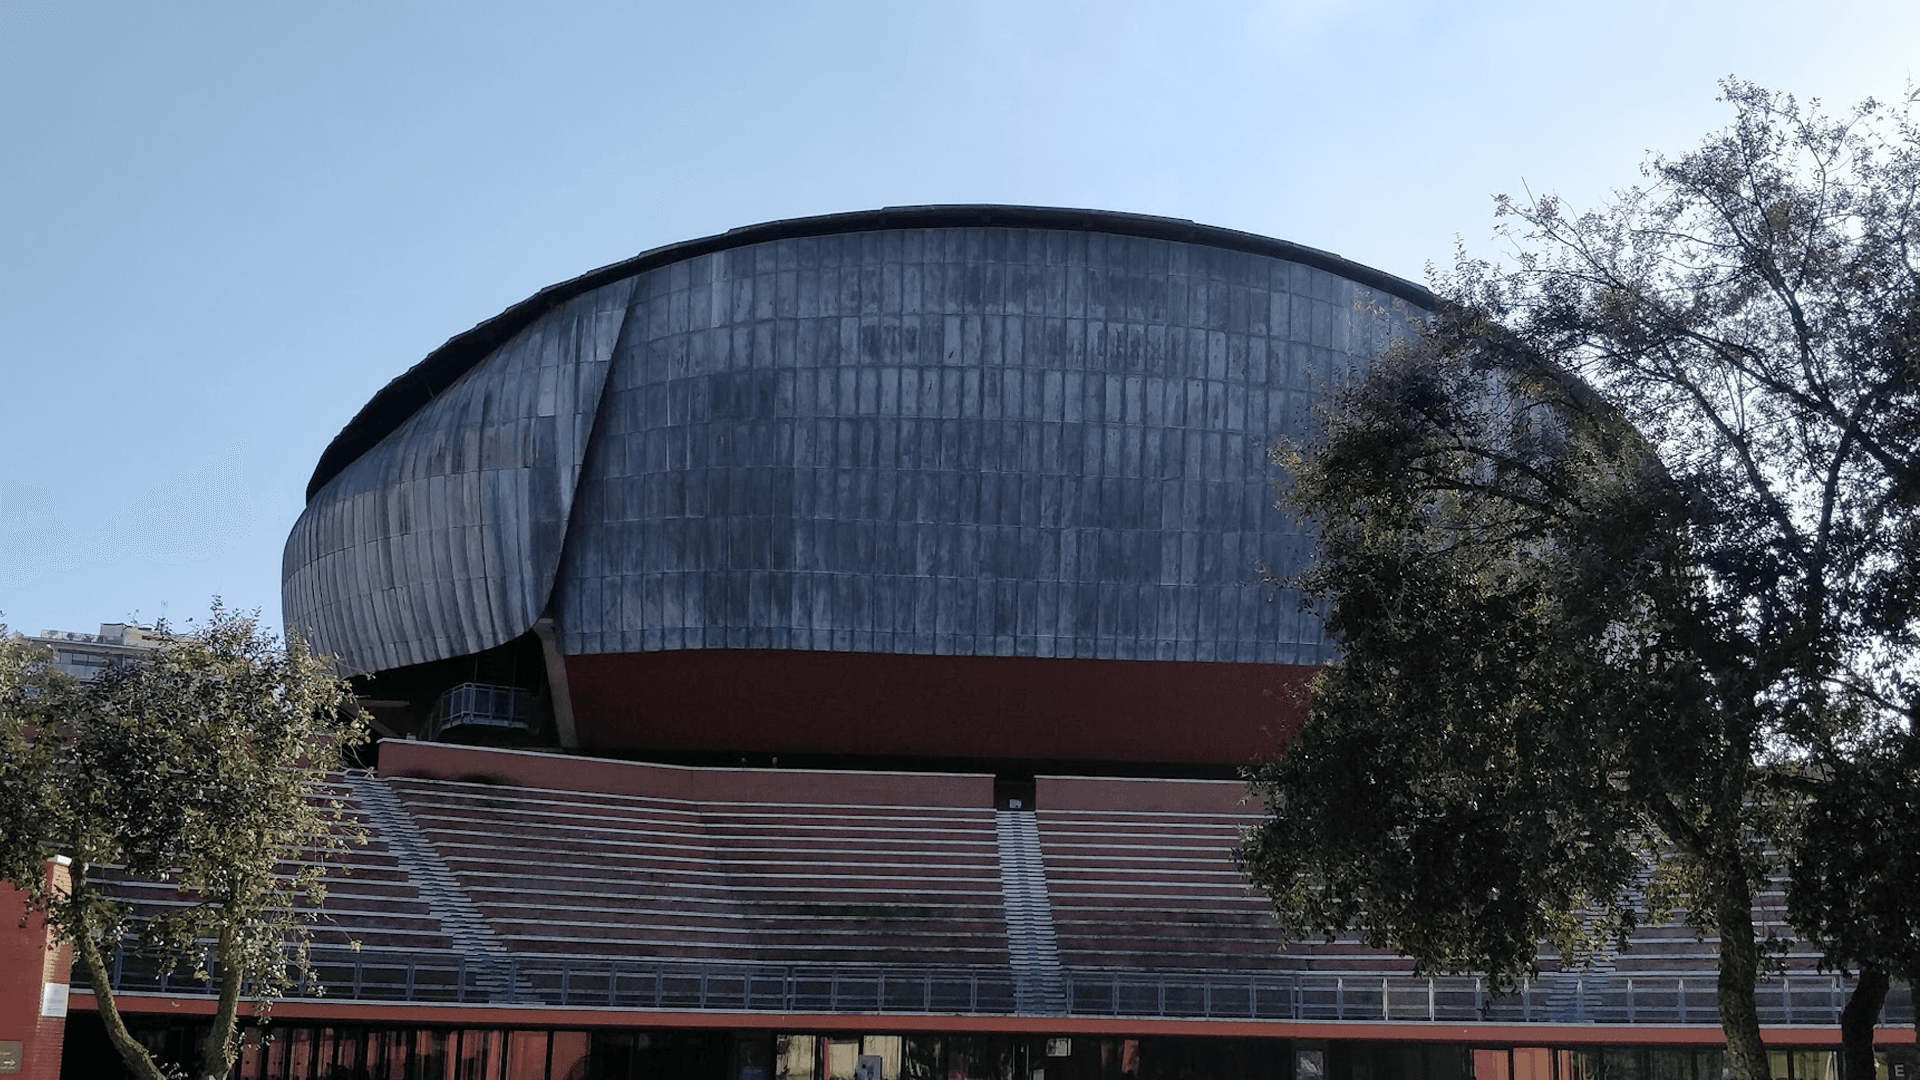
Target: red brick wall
(1160,796)
(571,773)
(29,960)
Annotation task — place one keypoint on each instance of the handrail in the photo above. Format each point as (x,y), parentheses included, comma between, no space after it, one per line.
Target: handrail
(600,982)
(473,704)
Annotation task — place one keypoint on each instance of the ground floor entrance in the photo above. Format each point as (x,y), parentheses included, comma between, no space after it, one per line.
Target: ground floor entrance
(304,1050)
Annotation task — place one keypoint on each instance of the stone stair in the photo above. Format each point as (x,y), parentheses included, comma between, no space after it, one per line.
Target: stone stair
(1032,950)
(472,935)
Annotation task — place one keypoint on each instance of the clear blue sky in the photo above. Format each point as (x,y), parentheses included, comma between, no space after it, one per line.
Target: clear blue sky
(223,226)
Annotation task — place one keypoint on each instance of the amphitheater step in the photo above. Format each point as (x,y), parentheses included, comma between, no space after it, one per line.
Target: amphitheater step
(1032,950)
(445,899)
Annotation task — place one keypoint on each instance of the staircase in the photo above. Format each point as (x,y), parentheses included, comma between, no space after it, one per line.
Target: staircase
(1032,951)
(472,936)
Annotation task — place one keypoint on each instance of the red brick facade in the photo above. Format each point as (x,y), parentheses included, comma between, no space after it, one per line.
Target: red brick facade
(30,961)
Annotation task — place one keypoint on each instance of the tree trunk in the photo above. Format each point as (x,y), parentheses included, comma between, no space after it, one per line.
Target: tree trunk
(1739,970)
(217,1051)
(1857,1022)
(131,1052)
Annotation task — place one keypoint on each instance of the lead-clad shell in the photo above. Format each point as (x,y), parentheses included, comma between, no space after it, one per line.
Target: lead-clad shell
(1026,436)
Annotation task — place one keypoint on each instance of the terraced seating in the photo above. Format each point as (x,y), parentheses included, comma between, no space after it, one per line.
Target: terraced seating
(1674,949)
(1144,890)
(373,900)
(596,874)
(652,886)
(1141,877)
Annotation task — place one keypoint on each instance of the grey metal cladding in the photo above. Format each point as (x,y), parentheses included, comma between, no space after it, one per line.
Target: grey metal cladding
(444,539)
(964,441)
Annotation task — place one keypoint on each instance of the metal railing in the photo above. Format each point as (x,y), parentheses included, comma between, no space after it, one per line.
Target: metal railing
(481,705)
(384,975)
(1574,998)
(600,982)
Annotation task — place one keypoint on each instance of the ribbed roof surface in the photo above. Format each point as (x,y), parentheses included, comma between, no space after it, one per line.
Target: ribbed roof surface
(400,398)
(946,431)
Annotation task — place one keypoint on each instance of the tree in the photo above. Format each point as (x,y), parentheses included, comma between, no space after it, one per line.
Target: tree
(1620,551)
(201,766)
(1851,881)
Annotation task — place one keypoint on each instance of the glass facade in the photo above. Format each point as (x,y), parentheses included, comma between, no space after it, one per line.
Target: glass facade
(362,1052)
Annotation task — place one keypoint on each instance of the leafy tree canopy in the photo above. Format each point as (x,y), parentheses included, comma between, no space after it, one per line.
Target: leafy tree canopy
(1620,553)
(201,766)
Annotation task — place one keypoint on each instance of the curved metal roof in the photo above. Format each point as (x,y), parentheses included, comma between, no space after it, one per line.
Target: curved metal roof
(402,397)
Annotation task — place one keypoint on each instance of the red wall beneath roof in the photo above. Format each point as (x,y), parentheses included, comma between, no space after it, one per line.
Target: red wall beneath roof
(779,701)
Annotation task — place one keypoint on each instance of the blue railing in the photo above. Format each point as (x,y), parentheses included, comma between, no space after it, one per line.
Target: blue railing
(1575,998)
(597,982)
(372,974)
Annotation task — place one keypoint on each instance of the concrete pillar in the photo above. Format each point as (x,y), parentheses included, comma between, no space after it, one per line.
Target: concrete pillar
(33,986)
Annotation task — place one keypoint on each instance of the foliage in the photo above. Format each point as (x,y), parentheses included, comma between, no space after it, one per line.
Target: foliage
(1620,554)
(1856,862)
(1450,795)
(201,766)
(1851,879)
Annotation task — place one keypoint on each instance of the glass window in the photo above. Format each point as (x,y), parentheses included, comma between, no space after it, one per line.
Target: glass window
(843,1057)
(1815,1065)
(793,1057)
(1670,1064)
(1623,1063)
(300,1054)
(613,1054)
(887,1049)
(482,1054)
(527,1055)
(390,1055)
(430,1056)
(349,1046)
(1388,1061)
(252,1055)
(984,1057)
(1448,1063)
(569,1056)
(276,1055)
(922,1058)
(750,1055)
(1532,1063)
(1580,1065)
(323,1054)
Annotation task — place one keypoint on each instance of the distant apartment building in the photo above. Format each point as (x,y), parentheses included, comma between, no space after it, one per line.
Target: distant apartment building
(85,656)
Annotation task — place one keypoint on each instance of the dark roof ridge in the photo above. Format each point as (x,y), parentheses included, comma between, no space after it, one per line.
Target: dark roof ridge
(404,396)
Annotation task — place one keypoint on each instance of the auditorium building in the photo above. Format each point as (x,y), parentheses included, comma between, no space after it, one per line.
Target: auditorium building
(829,651)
